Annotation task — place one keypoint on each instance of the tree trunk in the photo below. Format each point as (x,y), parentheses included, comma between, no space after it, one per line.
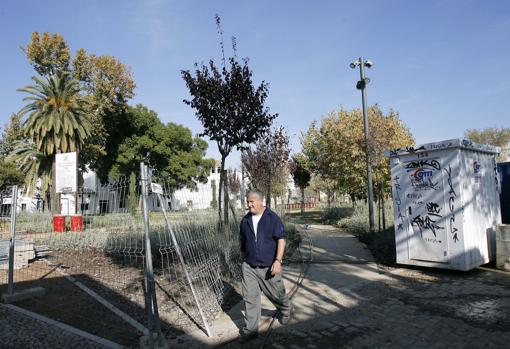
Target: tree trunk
(268,195)
(243,190)
(48,200)
(225,199)
(383,208)
(302,201)
(220,190)
(53,191)
(379,214)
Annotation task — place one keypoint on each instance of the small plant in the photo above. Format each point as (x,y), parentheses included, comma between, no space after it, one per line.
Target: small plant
(333,214)
(292,239)
(381,242)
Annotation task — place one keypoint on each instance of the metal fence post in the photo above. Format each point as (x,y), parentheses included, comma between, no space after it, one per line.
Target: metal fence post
(14,203)
(152,306)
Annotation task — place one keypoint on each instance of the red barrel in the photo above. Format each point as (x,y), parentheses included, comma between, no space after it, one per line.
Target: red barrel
(59,223)
(76,223)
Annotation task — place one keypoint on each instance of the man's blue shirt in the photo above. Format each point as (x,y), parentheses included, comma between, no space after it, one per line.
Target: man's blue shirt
(261,250)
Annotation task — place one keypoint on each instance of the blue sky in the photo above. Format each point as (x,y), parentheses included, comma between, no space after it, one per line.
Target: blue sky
(443,65)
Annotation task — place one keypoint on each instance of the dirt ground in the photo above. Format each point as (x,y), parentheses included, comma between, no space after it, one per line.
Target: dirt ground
(121,284)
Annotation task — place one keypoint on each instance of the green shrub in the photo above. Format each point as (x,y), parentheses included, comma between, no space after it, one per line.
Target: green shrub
(381,243)
(333,214)
(292,239)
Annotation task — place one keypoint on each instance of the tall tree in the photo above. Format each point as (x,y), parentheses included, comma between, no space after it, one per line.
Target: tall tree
(55,118)
(12,133)
(106,84)
(499,137)
(234,184)
(319,184)
(301,176)
(56,114)
(9,174)
(335,149)
(231,109)
(49,54)
(266,165)
(34,165)
(170,149)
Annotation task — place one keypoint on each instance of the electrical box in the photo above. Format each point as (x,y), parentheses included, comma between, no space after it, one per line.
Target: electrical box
(446,204)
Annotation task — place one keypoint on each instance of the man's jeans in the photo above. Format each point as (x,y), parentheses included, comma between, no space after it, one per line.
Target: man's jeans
(256,280)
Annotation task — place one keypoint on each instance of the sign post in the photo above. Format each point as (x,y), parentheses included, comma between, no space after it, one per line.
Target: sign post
(66,178)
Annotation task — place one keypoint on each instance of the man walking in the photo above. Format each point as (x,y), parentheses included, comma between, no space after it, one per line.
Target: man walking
(262,243)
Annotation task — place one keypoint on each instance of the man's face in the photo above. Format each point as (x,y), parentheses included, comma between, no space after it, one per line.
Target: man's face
(255,204)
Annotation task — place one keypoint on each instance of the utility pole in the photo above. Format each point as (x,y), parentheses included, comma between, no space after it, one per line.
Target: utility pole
(360,85)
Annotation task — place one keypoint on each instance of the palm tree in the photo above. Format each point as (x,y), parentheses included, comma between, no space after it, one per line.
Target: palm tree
(56,123)
(34,164)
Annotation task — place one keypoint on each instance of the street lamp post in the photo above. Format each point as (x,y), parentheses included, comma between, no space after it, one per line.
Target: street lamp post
(361,84)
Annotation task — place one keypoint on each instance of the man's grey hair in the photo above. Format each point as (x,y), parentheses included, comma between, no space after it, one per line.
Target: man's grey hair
(257,193)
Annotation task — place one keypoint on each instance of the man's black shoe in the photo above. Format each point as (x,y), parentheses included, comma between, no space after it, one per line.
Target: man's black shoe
(284,320)
(245,338)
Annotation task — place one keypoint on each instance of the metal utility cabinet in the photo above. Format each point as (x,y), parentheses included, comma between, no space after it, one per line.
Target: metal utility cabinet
(446,203)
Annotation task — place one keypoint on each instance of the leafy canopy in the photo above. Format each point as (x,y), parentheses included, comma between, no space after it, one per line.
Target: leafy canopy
(12,132)
(9,174)
(170,149)
(48,54)
(105,83)
(335,149)
(56,119)
(231,110)
(499,137)
(300,174)
(266,164)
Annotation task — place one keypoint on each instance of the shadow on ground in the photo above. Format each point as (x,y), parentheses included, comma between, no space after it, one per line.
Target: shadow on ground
(66,303)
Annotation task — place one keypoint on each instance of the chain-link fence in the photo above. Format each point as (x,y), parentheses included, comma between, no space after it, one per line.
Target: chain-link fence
(99,242)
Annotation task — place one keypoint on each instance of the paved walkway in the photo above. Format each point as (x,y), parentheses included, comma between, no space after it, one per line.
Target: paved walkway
(346,301)
(18,330)
(342,300)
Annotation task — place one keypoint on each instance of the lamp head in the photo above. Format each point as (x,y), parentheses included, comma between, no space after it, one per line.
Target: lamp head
(354,64)
(368,64)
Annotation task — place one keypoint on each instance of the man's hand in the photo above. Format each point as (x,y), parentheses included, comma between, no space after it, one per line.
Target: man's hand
(276,267)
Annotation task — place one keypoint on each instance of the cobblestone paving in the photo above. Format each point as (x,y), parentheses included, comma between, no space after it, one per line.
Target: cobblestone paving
(411,308)
(453,311)
(19,331)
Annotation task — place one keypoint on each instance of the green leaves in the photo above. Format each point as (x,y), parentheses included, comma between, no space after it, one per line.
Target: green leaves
(55,119)
(9,174)
(499,137)
(170,149)
(229,107)
(32,163)
(300,174)
(335,149)
(266,165)
(48,54)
